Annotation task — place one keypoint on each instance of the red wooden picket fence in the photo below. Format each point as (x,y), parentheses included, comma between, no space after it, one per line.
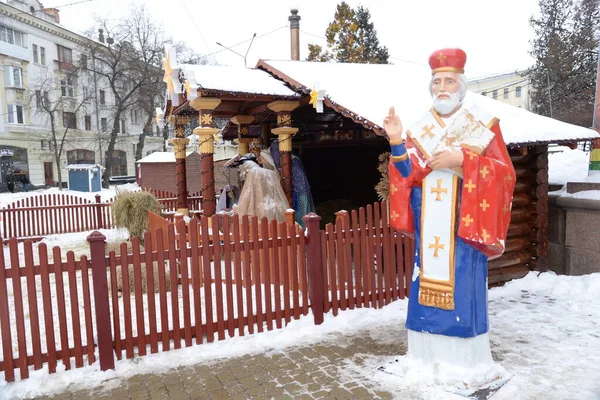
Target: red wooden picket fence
(136,300)
(38,216)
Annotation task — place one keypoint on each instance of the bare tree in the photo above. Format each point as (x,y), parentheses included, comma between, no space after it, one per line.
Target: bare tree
(128,64)
(57,98)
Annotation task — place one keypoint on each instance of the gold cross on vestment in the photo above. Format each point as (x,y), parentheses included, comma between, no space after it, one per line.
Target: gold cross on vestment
(439,190)
(471,154)
(505,208)
(441,57)
(485,235)
(394,215)
(467,220)
(484,171)
(427,131)
(393,189)
(436,246)
(470,186)
(484,204)
(508,177)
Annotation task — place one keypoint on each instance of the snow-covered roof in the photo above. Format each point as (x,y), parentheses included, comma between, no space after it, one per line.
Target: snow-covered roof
(160,157)
(83,166)
(236,79)
(367,91)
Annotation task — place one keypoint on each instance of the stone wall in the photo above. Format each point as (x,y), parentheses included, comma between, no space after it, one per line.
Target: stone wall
(574,243)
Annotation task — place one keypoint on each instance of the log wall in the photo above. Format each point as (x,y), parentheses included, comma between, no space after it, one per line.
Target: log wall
(527,239)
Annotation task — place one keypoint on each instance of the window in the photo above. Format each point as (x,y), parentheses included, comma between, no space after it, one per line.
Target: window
(13,76)
(13,37)
(121,127)
(103,124)
(15,113)
(135,116)
(64,54)
(38,98)
(81,156)
(505,93)
(484,93)
(88,122)
(495,94)
(66,86)
(47,145)
(85,93)
(46,99)
(83,61)
(102,97)
(42,55)
(119,163)
(518,91)
(35,53)
(69,120)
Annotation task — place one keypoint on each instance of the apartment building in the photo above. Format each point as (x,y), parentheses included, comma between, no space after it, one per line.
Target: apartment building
(511,88)
(44,84)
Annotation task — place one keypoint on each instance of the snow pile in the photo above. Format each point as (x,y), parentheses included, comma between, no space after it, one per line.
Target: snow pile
(105,194)
(568,166)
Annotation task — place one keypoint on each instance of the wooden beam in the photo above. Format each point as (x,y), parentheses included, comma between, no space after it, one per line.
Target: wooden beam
(243,96)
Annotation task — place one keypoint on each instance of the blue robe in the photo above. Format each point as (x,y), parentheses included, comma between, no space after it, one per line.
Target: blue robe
(470,316)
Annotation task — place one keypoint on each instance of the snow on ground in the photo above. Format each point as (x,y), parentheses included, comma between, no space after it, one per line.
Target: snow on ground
(567,165)
(544,330)
(106,194)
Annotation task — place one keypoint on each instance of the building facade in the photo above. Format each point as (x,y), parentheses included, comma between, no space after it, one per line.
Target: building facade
(510,88)
(45,87)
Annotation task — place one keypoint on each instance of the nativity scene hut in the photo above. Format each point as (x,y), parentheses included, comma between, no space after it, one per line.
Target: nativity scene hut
(329,115)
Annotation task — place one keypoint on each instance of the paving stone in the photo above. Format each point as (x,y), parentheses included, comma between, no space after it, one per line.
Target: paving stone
(285,380)
(248,382)
(212,385)
(225,376)
(384,395)
(361,393)
(160,395)
(219,395)
(235,389)
(255,391)
(303,379)
(283,397)
(293,388)
(239,396)
(274,391)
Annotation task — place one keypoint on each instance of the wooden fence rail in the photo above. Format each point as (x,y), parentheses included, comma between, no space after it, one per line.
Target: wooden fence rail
(179,287)
(39,216)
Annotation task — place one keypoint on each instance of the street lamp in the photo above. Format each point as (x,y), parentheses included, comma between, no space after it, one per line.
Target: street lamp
(233,51)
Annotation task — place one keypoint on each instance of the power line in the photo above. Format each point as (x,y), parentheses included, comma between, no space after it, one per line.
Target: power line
(194,22)
(49,8)
(245,41)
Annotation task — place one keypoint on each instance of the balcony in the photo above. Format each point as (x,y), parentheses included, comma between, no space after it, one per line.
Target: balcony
(66,66)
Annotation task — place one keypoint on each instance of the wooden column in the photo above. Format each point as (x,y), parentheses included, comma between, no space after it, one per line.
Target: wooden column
(242,121)
(206,132)
(179,144)
(285,132)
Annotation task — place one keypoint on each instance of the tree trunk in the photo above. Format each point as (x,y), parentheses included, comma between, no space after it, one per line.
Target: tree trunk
(109,152)
(165,137)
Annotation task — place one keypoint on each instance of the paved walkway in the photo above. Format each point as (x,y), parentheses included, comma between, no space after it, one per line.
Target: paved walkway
(315,372)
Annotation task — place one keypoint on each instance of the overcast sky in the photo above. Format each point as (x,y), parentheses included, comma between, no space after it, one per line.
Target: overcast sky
(495,34)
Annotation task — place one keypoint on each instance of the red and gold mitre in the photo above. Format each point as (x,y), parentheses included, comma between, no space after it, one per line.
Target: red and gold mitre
(448,60)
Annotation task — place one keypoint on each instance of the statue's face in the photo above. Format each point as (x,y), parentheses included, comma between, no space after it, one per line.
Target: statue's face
(445,88)
(446,83)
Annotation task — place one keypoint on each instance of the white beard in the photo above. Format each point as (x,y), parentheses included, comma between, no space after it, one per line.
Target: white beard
(446,106)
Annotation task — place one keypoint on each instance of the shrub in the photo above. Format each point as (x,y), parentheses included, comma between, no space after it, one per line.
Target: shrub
(130,210)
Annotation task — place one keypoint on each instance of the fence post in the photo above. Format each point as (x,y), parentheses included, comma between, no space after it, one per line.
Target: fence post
(97,243)
(315,268)
(99,212)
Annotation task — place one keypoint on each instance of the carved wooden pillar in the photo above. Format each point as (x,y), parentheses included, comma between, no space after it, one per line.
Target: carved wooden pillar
(242,121)
(285,132)
(206,132)
(179,144)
